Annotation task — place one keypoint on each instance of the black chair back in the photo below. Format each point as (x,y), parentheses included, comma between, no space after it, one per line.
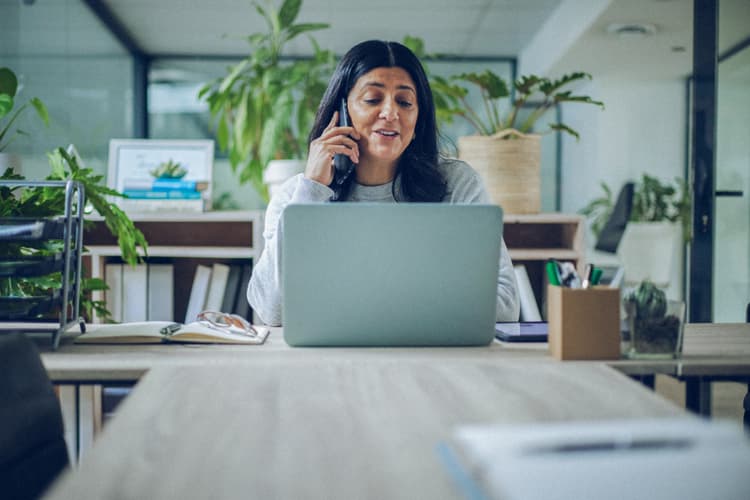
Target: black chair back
(32,444)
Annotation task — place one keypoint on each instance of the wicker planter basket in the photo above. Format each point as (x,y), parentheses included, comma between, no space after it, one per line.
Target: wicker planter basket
(510,168)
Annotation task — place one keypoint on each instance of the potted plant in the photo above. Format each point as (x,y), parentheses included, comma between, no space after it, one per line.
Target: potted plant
(10,112)
(660,218)
(49,201)
(265,106)
(654,323)
(504,150)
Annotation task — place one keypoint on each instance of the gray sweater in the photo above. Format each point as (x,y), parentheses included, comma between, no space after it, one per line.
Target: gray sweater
(464,186)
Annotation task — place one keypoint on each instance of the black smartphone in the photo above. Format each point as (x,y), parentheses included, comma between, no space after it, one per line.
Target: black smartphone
(343,165)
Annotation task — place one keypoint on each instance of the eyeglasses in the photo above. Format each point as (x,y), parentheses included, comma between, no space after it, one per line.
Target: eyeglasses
(229,323)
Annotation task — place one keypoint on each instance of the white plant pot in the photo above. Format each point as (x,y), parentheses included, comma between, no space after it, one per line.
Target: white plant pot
(12,161)
(278,171)
(647,251)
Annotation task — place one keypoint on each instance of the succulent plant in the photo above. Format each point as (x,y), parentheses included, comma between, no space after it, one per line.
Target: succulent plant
(169,169)
(651,329)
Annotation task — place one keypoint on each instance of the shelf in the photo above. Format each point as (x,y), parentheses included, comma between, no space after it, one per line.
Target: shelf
(544,254)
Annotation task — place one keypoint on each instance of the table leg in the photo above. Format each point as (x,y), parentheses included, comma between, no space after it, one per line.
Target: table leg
(647,380)
(698,396)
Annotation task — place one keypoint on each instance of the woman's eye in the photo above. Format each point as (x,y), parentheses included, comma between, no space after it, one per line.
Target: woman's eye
(372,101)
(405,104)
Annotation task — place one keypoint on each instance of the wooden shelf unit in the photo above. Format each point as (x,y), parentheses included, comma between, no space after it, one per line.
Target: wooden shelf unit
(191,239)
(185,240)
(533,239)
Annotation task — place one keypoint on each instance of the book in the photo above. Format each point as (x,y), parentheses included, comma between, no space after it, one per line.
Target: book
(198,292)
(160,292)
(134,292)
(142,194)
(241,305)
(529,307)
(162,184)
(157,332)
(232,288)
(113,295)
(131,205)
(216,287)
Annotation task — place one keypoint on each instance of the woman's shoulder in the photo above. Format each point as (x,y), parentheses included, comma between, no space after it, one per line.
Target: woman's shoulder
(453,168)
(463,182)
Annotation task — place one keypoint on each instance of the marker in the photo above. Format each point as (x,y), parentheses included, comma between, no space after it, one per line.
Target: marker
(553,274)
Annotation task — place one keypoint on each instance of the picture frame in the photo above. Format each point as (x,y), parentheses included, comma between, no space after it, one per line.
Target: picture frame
(132,168)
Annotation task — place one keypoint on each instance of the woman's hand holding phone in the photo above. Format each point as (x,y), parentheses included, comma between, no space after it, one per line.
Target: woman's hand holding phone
(334,140)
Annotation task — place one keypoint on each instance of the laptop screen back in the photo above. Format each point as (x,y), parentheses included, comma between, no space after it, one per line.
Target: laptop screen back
(357,274)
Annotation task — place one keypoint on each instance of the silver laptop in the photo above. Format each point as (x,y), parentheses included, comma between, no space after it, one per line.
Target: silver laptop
(412,274)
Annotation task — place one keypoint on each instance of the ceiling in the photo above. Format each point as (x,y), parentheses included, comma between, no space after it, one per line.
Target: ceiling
(567,34)
(465,27)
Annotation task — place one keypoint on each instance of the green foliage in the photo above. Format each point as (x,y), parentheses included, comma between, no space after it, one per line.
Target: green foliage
(531,92)
(169,169)
(653,201)
(264,107)
(50,201)
(8,89)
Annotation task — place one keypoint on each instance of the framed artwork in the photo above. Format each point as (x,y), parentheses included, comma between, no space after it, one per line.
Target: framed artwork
(161,175)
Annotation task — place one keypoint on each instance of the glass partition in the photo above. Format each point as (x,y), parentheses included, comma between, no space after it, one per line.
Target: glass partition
(731,293)
(66,57)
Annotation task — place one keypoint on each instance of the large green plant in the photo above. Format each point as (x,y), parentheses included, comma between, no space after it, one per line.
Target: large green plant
(500,109)
(50,201)
(8,90)
(264,107)
(653,201)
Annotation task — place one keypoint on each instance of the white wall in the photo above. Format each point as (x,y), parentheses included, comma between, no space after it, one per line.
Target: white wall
(641,129)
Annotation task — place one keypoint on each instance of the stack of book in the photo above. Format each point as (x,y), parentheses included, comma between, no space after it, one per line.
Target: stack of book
(166,194)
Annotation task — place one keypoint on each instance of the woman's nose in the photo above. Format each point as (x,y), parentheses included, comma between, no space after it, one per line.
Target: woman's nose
(389,111)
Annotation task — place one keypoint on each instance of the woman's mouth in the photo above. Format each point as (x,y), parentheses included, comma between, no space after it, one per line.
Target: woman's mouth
(387,133)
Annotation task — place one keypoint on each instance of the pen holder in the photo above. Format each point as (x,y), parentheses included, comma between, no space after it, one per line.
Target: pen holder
(584,323)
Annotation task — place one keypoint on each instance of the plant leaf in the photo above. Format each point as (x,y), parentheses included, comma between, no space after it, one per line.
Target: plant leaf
(288,12)
(8,82)
(41,110)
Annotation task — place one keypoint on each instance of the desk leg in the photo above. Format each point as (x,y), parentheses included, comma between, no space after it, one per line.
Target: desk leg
(647,380)
(698,396)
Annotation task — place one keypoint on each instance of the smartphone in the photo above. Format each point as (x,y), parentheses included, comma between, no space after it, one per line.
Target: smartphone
(343,165)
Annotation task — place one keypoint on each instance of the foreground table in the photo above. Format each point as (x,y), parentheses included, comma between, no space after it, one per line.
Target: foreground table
(275,422)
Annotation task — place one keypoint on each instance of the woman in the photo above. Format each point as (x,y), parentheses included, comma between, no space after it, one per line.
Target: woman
(392,141)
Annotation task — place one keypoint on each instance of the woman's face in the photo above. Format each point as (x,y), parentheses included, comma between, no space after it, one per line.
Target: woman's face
(383,109)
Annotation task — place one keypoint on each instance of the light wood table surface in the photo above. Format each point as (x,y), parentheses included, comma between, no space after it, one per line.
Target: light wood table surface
(277,422)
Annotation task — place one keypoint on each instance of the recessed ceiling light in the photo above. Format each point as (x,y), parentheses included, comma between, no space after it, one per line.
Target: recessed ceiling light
(631,30)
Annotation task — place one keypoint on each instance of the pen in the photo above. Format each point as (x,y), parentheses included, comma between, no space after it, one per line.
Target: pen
(613,445)
(587,276)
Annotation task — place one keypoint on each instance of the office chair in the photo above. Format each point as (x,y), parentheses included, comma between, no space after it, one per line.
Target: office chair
(609,238)
(32,445)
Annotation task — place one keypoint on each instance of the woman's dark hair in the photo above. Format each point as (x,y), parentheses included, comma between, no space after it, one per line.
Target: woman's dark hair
(417,168)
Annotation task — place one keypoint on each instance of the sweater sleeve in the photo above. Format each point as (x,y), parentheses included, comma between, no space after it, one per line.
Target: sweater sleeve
(465,186)
(264,289)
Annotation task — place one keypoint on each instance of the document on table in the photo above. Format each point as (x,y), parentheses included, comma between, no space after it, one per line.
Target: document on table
(654,458)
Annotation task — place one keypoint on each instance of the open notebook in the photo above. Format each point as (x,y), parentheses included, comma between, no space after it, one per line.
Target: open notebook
(155,332)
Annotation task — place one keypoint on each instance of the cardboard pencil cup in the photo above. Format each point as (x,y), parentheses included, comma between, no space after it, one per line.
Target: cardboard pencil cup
(584,323)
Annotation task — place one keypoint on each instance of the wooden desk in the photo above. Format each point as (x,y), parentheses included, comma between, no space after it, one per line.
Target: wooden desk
(278,422)
(711,352)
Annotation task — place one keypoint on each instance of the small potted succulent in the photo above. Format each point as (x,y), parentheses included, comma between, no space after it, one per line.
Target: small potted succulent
(654,323)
